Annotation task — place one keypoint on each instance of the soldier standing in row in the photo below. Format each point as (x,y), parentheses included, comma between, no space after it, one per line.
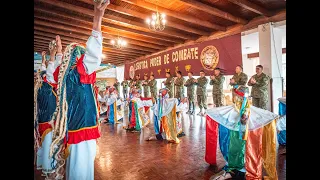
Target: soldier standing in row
(169,84)
(146,88)
(217,81)
(137,83)
(125,85)
(239,78)
(190,84)
(116,85)
(201,83)
(259,91)
(178,82)
(153,86)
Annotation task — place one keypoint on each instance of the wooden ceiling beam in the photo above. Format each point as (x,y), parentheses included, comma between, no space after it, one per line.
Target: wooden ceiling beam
(83,39)
(88,33)
(106,27)
(187,18)
(214,11)
(104,32)
(142,16)
(252,7)
(65,43)
(113,20)
(108,52)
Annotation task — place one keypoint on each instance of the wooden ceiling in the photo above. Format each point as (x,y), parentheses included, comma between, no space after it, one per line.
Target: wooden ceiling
(186,20)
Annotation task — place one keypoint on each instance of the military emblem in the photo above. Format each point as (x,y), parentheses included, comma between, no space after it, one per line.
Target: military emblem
(209,57)
(187,67)
(131,72)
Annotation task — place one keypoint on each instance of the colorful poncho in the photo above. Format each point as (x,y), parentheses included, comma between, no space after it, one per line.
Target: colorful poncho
(245,135)
(167,117)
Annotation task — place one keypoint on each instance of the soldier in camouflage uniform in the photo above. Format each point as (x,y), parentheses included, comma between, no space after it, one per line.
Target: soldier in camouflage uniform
(201,83)
(190,84)
(179,89)
(146,88)
(217,81)
(130,84)
(137,82)
(169,84)
(239,78)
(116,85)
(153,86)
(125,85)
(259,91)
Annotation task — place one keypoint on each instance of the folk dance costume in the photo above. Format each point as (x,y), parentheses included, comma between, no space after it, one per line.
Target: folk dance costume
(138,111)
(167,124)
(76,128)
(45,104)
(246,136)
(281,124)
(112,102)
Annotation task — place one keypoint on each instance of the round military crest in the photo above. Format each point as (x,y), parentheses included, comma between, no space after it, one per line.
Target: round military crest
(209,57)
(131,72)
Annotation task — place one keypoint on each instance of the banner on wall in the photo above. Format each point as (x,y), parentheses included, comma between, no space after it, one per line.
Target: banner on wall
(224,53)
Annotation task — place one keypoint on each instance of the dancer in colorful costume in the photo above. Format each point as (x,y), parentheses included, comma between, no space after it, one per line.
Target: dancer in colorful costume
(114,114)
(246,136)
(167,124)
(138,110)
(45,104)
(281,124)
(76,128)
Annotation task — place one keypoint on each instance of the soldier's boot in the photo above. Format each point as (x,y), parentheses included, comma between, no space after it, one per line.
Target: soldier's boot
(189,109)
(193,109)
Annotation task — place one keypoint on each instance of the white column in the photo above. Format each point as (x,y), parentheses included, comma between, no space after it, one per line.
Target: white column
(270,55)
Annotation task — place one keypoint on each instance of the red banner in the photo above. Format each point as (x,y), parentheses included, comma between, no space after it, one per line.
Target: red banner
(224,53)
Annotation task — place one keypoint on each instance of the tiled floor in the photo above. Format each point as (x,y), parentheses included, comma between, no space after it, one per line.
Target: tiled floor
(124,155)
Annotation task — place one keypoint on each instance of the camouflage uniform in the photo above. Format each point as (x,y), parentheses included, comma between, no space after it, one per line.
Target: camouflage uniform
(201,92)
(240,79)
(130,84)
(190,84)
(117,86)
(217,90)
(153,88)
(124,85)
(259,91)
(138,84)
(179,91)
(169,85)
(146,89)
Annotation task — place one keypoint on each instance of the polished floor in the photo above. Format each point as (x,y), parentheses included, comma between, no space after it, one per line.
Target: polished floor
(124,155)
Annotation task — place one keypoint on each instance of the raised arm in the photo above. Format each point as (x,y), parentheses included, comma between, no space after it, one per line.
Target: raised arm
(92,58)
(43,63)
(50,67)
(58,57)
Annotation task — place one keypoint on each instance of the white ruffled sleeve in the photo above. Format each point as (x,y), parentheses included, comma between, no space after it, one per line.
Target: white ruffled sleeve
(43,67)
(58,60)
(50,71)
(92,58)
